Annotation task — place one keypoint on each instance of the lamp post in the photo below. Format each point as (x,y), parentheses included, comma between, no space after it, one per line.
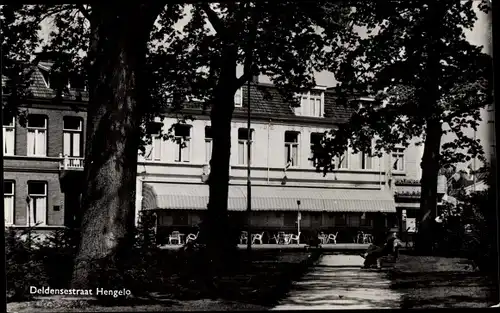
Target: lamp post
(299,217)
(249,182)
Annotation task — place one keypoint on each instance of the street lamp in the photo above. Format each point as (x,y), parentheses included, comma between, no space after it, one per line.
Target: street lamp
(299,217)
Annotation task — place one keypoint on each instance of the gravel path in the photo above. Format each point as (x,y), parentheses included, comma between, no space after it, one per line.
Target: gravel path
(337,282)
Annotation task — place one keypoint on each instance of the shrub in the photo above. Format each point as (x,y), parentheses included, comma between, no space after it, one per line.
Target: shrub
(23,269)
(57,252)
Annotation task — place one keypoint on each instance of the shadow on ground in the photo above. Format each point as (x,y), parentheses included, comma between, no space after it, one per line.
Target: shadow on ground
(340,286)
(439,282)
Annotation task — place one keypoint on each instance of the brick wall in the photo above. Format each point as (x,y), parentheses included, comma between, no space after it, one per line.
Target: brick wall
(54,196)
(55,130)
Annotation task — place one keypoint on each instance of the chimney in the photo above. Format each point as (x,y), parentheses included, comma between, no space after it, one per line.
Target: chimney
(255,79)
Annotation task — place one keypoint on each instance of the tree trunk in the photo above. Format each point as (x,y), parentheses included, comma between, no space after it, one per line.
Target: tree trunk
(218,235)
(428,196)
(117,55)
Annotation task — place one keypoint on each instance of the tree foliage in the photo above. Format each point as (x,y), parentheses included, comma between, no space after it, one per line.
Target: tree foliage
(391,64)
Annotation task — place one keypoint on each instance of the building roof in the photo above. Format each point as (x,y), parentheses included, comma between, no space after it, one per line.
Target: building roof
(265,100)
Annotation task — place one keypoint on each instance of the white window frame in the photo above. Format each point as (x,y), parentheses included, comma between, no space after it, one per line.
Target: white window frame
(305,104)
(311,146)
(156,145)
(12,128)
(31,217)
(208,146)
(12,196)
(238,94)
(247,144)
(397,153)
(36,131)
(182,154)
(72,132)
(346,160)
(363,158)
(289,146)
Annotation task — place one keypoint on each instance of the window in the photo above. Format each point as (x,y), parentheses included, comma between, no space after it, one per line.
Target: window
(37,135)
(8,202)
(397,157)
(208,143)
(238,98)
(292,148)
(155,149)
(72,142)
(343,160)
(244,143)
(182,133)
(37,208)
(366,161)
(180,219)
(366,220)
(315,143)
(311,104)
(290,219)
(340,220)
(9,136)
(354,220)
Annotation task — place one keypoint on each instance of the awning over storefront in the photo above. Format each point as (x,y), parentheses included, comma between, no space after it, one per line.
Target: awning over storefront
(264,198)
(410,205)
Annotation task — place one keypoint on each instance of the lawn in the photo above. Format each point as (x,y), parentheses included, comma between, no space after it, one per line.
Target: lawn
(256,285)
(440,282)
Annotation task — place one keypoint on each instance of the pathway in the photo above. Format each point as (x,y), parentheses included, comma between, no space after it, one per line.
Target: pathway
(337,282)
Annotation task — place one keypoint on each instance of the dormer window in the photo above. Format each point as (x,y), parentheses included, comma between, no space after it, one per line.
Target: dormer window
(311,104)
(238,98)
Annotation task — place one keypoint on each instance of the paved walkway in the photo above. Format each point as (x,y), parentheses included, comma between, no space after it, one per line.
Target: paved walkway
(337,282)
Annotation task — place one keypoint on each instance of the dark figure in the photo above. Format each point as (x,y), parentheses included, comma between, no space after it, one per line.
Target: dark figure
(375,253)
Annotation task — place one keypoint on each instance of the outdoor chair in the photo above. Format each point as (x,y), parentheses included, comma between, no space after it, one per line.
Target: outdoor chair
(332,238)
(322,237)
(295,238)
(367,238)
(192,237)
(359,237)
(273,238)
(282,238)
(175,236)
(243,237)
(257,237)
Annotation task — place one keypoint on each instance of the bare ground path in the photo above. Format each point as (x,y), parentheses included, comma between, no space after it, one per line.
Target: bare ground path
(337,282)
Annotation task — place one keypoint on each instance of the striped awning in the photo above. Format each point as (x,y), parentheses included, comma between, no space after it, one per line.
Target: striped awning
(269,198)
(409,205)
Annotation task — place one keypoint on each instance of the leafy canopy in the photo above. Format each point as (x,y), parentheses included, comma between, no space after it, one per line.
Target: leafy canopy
(417,65)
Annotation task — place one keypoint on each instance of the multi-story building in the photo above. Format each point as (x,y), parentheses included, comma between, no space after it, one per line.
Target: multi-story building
(358,194)
(43,163)
(43,156)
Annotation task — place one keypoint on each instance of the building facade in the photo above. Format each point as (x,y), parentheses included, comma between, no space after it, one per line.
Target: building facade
(43,156)
(288,193)
(43,166)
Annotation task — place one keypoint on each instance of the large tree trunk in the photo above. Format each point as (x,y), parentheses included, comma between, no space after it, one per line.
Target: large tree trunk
(428,197)
(217,230)
(117,55)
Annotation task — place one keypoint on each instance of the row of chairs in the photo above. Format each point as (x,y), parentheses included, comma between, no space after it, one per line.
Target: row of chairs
(279,238)
(177,238)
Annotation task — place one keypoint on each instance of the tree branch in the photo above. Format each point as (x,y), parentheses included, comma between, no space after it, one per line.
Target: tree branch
(249,51)
(214,19)
(84,11)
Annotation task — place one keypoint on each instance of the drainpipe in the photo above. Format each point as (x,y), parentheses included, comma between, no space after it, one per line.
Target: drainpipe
(380,172)
(268,147)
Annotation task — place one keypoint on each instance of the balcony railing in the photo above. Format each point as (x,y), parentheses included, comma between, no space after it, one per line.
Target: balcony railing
(70,163)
